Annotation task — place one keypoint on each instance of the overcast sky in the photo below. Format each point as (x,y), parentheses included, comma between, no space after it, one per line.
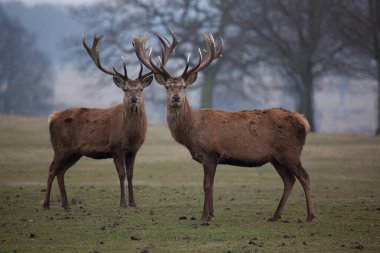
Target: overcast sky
(60,2)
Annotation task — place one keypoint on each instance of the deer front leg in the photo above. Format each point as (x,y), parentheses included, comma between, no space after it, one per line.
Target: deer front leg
(62,190)
(211,202)
(120,168)
(209,167)
(129,163)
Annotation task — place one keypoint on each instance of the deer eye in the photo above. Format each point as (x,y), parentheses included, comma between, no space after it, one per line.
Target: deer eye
(141,89)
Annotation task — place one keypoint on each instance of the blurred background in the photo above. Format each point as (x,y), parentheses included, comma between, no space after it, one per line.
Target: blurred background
(318,57)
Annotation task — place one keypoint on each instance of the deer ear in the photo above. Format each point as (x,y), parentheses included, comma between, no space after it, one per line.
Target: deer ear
(160,78)
(191,78)
(147,81)
(119,83)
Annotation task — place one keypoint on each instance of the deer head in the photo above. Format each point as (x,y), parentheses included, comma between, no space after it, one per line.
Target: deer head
(176,86)
(132,88)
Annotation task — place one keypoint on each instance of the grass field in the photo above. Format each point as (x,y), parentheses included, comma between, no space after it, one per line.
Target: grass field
(345,174)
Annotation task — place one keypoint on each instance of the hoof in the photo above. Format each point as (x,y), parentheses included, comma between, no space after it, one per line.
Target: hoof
(206,217)
(310,218)
(132,204)
(205,223)
(66,207)
(123,205)
(274,218)
(45,205)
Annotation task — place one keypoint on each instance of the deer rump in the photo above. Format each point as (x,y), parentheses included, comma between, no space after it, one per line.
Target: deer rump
(249,138)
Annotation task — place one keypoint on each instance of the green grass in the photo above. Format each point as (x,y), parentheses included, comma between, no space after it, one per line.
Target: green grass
(345,174)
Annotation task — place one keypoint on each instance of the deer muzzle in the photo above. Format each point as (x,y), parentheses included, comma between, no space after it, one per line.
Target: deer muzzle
(176,98)
(134,100)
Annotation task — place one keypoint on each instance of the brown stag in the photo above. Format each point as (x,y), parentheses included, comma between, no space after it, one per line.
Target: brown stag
(117,132)
(245,138)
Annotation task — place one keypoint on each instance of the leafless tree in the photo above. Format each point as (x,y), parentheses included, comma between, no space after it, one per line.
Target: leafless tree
(359,26)
(295,37)
(120,20)
(25,73)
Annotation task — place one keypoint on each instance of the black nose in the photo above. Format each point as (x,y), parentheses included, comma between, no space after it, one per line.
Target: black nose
(134,99)
(176,98)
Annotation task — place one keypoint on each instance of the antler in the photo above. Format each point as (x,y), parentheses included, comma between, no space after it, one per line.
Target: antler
(167,50)
(140,50)
(93,52)
(211,54)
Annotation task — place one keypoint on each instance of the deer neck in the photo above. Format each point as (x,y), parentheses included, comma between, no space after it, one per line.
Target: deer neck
(181,122)
(134,117)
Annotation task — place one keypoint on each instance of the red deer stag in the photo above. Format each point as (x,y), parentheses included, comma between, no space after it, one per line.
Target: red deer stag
(116,132)
(245,138)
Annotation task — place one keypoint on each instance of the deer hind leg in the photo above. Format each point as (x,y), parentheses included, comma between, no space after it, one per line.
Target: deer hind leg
(301,174)
(288,180)
(119,161)
(66,164)
(51,176)
(129,163)
(58,165)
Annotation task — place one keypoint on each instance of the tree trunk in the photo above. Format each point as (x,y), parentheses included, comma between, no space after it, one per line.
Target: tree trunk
(307,99)
(208,89)
(378,98)
(5,108)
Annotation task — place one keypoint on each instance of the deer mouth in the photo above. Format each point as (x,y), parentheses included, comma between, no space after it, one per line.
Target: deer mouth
(175,104)
(134,107)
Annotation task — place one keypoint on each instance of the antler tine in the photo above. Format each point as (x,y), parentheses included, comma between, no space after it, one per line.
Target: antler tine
(185,73)
(93,52)
(163,67)
(124,66)
(210,50)
(210,55)
(125,70)
(141,70)
(220,49)
(140,50)
(167,47)
(187,64)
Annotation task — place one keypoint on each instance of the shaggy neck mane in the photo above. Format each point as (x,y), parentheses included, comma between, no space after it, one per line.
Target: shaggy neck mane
(135,118)
(181,122)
